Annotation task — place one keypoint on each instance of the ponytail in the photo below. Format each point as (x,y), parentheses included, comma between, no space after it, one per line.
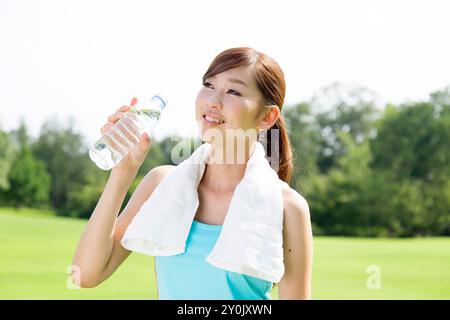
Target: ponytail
(280,158)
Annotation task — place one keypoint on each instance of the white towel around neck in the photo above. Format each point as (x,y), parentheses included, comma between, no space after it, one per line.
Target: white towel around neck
(251,238)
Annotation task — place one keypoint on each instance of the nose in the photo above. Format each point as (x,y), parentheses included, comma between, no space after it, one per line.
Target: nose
(214,102)
(213,106)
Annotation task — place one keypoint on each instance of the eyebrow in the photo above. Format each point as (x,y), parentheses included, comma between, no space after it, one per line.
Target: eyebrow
(237,81)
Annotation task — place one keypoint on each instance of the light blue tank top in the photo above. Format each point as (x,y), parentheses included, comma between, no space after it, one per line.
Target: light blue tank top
(188,276)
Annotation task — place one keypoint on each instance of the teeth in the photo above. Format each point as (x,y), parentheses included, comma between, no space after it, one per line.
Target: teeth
(209,119)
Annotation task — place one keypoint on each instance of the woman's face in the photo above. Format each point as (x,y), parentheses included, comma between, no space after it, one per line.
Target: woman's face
(233,98)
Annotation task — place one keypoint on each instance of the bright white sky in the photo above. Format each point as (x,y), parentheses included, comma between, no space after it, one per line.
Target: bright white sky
(87,58)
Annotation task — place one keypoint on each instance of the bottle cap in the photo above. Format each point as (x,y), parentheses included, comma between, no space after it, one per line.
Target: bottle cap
(160,100)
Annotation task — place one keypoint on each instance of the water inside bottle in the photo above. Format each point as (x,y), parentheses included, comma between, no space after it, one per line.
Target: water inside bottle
(152,113)
(105,156)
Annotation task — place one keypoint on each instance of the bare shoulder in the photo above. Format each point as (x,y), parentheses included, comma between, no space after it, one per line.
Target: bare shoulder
(297,247)
(295,205)
(152,178)
(159,172)
(296,216)
(143,192)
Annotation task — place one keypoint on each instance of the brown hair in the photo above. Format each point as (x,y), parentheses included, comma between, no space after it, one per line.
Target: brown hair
(269,79)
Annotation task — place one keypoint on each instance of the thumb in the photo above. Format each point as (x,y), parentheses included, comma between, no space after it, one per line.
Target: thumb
(145,142)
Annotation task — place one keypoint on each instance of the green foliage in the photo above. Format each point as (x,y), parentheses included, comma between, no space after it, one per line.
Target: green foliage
(82,197)
(6,158)
(304,138)
(392,183)
(413,141)
(341,108)
(28,181)
(75,183)
(412,146)
(363,171)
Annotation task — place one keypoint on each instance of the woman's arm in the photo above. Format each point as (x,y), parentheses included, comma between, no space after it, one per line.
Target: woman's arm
(298,248)
(99,252)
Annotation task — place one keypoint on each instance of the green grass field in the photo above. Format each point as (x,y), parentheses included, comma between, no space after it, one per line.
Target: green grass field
(36,249)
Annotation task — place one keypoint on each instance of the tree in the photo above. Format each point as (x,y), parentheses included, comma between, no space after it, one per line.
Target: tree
(65,154)
(340,199)
(338,107)
(28,179)
(6,158)
(412,147)
(412,141)
(30,183)
(304,137)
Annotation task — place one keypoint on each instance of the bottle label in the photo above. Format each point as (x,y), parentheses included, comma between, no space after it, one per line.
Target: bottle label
(100,146)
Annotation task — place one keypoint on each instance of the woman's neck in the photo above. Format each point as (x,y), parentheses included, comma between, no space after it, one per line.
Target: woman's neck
(224,171)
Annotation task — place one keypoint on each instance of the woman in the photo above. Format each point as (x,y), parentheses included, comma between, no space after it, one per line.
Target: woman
(243,91)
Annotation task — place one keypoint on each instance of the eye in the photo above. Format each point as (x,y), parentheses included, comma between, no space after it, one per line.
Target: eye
(207,84)
(234,92)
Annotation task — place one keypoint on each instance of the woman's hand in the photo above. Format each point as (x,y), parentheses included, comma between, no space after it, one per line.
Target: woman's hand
(134,159)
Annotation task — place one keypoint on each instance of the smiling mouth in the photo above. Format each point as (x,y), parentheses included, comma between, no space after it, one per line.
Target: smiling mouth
(210,120)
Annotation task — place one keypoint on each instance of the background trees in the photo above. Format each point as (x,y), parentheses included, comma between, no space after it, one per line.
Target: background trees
(365,170)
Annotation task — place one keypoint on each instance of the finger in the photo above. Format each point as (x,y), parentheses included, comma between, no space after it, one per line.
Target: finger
(111,139)
(105,128)
(116,116)
(124,108)
(145,142)
(133,122)
(114,145)
(133,101)
(130,130)
(127,128)
(118,137)
(121,141)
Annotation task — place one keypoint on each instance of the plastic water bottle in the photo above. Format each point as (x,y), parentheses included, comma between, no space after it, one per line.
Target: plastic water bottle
(124,135)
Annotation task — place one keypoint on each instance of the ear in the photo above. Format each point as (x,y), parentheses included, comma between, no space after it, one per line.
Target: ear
(269,116)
